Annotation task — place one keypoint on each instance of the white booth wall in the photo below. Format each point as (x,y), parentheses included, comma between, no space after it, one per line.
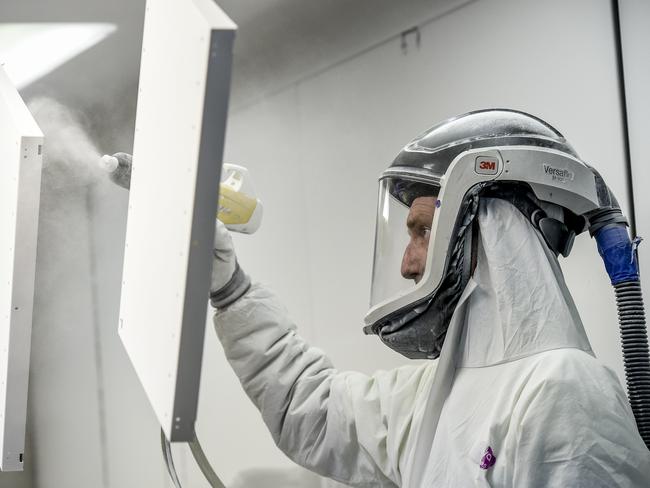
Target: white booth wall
(315,148)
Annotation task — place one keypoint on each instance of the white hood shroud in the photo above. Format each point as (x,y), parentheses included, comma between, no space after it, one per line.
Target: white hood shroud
(521,305)
(517,375)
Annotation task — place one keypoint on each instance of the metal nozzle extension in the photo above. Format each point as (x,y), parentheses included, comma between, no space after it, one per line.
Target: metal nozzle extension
(118,167)
(109,163)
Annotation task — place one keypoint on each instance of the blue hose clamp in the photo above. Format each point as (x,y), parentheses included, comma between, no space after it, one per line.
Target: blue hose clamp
(619,253)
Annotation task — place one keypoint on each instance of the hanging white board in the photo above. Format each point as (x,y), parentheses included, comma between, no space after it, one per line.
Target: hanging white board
(177,157)
(21,143)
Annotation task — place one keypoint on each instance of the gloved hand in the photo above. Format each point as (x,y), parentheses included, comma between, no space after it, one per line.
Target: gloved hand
(229,282)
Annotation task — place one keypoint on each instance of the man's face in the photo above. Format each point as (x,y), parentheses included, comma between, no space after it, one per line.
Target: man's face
(418,224)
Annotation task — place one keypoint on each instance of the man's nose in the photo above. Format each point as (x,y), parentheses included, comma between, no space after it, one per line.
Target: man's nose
(410,266)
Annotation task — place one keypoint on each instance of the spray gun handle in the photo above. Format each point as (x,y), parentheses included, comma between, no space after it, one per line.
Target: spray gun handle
(239,209)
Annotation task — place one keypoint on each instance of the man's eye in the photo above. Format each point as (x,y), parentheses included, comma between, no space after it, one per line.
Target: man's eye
(420,231)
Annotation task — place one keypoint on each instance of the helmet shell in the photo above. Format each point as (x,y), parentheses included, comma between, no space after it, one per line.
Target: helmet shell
(436,148)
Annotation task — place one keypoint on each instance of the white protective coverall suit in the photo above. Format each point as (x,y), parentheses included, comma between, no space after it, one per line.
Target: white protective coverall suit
(516,399)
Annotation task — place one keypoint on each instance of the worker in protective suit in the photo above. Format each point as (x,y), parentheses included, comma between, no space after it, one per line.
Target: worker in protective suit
(513,395)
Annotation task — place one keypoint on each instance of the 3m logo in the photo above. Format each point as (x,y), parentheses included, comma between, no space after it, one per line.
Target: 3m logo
(486,166)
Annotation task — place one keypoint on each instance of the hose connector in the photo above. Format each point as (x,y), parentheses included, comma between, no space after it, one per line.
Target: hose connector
(609,227)
(618,252)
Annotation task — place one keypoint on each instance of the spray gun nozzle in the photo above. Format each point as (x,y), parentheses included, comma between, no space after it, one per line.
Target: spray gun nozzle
(109,163)
(118,167)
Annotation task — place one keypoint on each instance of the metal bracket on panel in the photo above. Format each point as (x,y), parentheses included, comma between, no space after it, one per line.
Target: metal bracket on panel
(413,33)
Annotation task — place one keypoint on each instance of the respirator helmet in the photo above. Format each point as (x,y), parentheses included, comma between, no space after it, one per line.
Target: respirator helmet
(426,231)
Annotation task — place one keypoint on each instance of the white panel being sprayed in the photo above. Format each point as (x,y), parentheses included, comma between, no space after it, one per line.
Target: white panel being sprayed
(180,126)
(20,156)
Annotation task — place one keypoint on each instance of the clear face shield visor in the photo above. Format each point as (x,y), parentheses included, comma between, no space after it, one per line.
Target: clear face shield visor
(403,232)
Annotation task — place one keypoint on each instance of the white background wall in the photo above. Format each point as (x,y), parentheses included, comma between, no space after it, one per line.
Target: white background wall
(315,145)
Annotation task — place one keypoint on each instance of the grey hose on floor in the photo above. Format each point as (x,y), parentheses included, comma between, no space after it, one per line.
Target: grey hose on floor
(199,457)
(204,464)
(169,462)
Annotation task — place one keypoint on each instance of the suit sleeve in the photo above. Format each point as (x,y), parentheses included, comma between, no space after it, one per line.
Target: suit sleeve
(343,425)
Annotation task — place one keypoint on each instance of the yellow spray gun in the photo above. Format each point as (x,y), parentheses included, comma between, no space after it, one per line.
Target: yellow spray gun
(239,208)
